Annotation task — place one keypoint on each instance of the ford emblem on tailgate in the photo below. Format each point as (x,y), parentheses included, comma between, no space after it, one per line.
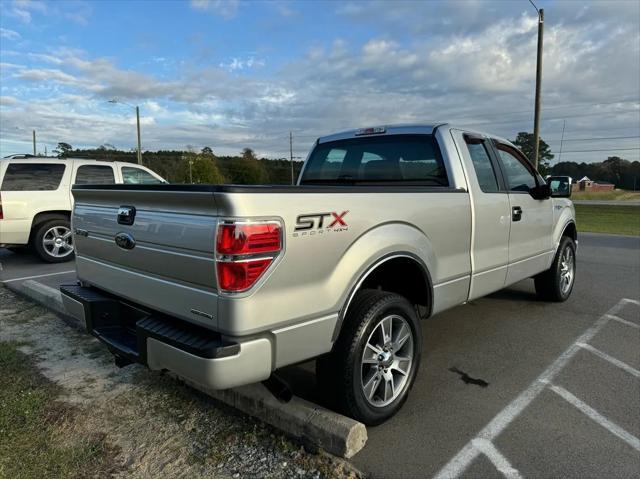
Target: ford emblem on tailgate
(125,241)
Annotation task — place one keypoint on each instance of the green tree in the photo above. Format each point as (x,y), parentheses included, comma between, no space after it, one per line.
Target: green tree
(201,169)
(249,170)
(206,151)
(63,149)
(525,142)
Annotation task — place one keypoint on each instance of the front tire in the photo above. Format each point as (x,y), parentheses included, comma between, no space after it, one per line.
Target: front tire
(53,241)
(374,362)
(557,282)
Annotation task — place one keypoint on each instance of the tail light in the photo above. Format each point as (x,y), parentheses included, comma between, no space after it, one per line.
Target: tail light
(244,251)
(1,214)
(248,238)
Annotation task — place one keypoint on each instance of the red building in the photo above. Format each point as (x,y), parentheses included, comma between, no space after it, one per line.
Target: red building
(587,184)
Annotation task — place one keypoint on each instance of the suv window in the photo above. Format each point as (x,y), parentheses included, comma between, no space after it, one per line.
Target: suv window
(138,176)
(519,175)
(32,177)
(482,165)
(411,159)
(95,175)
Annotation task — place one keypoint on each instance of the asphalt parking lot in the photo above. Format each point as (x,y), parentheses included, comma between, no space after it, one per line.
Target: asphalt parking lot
(563,390)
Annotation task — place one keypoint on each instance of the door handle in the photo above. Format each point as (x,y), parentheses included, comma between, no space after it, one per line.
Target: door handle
(516,213)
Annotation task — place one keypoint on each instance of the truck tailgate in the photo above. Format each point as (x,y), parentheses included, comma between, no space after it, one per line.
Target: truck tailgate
(166,261)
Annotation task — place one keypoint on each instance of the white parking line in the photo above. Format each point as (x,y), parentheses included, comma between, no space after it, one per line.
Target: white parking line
(38,276)
(611,359)
(630,439)
(624,321)
(459,463)
(501,463)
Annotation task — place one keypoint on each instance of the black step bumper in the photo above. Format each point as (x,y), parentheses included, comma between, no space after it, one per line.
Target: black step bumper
(124,328)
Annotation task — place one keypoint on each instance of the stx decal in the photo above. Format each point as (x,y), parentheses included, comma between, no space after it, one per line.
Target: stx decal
(313,223)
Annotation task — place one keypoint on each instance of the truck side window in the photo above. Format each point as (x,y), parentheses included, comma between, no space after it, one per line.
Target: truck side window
(94,174)
(482,165)
(32,177)
(519,176)
(138,176)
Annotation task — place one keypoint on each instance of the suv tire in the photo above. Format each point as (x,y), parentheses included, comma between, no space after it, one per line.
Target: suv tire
(53,240)
(557,282)
(375,359)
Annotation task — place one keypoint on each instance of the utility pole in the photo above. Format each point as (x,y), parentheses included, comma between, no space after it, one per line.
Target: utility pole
(115,100)
(139,146)
(536,120)
(34,142)
(291,154)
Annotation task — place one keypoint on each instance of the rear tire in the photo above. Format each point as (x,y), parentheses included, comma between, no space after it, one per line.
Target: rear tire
(375,359)
(557,282)
(53,241)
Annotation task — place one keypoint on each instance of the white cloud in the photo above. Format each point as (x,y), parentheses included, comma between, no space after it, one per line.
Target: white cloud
(243,64)
(9,34)
(224,8)
(22,9)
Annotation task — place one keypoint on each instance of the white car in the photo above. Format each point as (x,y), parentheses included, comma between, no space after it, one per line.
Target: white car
(36,200)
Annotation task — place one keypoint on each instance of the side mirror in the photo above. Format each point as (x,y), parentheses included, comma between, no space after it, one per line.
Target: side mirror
(560,186)
(540,192)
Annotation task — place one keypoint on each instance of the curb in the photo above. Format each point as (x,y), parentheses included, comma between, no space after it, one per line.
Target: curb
(45,296)
(309,423)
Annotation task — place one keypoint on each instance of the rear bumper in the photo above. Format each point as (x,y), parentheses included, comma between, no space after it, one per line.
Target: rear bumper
(161,342)
(14,232)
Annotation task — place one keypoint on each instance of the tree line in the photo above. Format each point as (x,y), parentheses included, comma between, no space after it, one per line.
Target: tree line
(197,167)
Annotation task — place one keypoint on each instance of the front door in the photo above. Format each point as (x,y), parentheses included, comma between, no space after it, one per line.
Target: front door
(530,240)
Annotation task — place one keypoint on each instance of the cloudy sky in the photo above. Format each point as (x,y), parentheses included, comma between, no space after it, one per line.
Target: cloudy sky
(238,73)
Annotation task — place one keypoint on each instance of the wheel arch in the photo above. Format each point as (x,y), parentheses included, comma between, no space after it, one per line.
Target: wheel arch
(570,230)
(416,284)
(44,216)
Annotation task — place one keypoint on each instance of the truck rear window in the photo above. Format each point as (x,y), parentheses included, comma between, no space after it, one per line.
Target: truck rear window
(32,177)
(410,159)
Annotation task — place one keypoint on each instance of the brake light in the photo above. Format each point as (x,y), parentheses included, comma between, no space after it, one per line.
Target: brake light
(1,214)
(248,238)
(244,251)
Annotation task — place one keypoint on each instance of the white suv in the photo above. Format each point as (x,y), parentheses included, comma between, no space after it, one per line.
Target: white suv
(36,200)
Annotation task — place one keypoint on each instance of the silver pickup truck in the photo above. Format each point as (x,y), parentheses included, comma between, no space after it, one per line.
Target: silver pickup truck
(223,285)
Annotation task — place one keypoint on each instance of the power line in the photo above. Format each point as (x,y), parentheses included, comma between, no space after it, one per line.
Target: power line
(606,149)
(616,112)
(596,139)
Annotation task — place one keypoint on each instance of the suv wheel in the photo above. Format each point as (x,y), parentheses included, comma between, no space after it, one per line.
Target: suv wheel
(53,241)
(374,361)
(556,283)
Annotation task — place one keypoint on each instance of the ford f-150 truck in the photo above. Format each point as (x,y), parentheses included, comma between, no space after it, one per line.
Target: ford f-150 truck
(223,285)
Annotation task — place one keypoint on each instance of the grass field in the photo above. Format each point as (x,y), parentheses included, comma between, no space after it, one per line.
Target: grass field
(623,220)
(36,430)
(618,195)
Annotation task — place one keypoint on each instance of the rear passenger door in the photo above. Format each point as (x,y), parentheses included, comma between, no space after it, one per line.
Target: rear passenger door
(491,221)
(530,242)
(88,174)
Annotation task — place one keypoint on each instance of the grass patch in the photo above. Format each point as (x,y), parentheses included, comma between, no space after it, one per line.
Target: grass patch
(37,432)
(617,195)
(622,220)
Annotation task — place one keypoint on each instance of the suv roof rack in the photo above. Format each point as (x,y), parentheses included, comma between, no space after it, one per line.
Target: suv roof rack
(19,156)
